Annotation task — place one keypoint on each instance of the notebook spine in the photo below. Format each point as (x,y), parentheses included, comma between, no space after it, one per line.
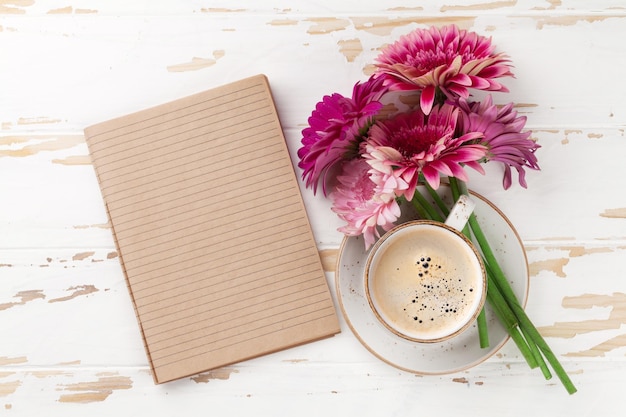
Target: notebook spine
(121,259)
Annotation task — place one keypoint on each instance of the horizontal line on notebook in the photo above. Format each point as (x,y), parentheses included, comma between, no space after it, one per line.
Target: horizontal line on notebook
(193,173)
(256,235)
(203,212)
(329,313)
(211,226)
(248,354)
(179,139)
(264,250)
(191,154)
(206,118)
(201,199)
(248,324)
(233,312)
(210,286)
(191,333)
(104,154)
(224,217)
(238,156)
(209,293)
(272,329)
(202,180)
(257,265)
(201,186)
(300,258)
(151,319)
(159,116)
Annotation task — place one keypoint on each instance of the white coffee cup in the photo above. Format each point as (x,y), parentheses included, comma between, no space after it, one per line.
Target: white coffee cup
(424,280)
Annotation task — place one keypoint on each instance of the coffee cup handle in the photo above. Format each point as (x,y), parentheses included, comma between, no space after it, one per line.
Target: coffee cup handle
(460,213)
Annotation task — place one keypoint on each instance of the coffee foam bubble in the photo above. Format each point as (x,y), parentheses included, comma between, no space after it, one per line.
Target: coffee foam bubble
(426,283)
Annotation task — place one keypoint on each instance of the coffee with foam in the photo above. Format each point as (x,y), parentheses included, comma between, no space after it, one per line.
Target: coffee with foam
(425,281)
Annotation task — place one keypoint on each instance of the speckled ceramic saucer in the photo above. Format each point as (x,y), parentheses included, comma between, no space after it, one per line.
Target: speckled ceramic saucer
(453,355)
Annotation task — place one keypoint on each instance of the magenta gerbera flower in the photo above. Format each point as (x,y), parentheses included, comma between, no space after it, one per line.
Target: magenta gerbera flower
(362,203)
(413,143)
(503,137)
(336,128)
(446,60)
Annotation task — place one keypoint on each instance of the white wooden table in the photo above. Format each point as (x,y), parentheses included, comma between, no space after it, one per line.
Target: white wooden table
(69,341)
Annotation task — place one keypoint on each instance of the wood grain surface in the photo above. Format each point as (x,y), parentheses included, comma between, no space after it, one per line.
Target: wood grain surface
(69,341)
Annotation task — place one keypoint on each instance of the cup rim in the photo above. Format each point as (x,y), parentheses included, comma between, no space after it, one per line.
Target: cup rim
(470,320)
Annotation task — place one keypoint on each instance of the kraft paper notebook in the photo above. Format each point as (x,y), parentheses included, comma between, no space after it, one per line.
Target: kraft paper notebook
(211,230)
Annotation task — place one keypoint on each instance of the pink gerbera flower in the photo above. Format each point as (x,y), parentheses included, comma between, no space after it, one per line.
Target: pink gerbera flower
(503,137)
(412,143)
(362,203)
(446,60)
(336,128)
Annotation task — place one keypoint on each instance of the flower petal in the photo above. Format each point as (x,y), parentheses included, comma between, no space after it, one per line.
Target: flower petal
(427,98)
(442,58)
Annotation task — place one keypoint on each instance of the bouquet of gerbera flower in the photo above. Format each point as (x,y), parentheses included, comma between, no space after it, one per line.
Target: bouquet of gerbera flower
(371,150)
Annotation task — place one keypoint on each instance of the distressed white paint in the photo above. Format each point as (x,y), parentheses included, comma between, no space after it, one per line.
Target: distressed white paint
(69,340)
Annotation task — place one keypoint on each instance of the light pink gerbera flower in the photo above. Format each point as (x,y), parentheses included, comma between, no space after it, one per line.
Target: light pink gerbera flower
(503,137)
(362,203)
(336,127)
(411,143)
(446,60)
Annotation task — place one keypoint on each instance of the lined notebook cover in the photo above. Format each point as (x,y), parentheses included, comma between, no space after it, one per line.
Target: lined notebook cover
(211,230)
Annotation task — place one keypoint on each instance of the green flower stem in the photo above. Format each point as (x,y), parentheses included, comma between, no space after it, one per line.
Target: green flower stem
(509,321)
(526,325)
(421,211)
(483,330)
(503,286)
(432,214)
(537,355)
(499,276)
(481,320)
(532,331)
(437,199)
